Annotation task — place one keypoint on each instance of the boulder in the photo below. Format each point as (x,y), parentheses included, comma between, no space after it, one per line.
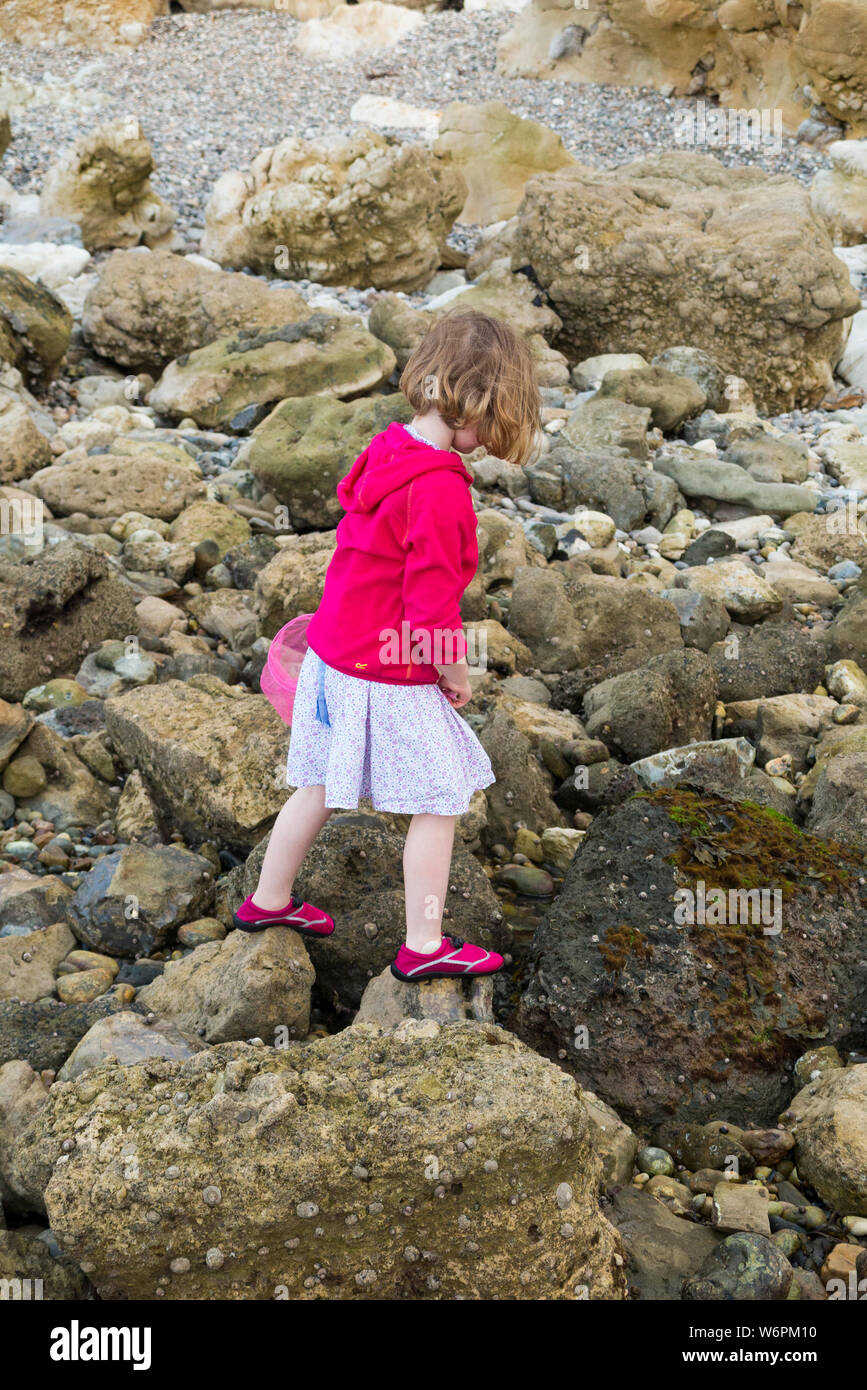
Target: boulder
(129,1039)
(767,297)
(211,755)
(102,182)
(146,309)
(839,194)
(670,398)
(35,327)
(745,1266)
(590,626)
(53,611)
(522,793)
(829,1121)
(497,152)
(607,423)
(695,1018)
(838,810)
(293,581)
(301,450)
(354,872)
(158,479)
(263,1145)
(376,212)
(631,494)
(705,476)
(347,33)
(28,963)
(23,446)
(248,985)
(661,1249)
(228,383)
(770,658)
(133,899)
(739,586)
(111,24)
(668,701)
(44,1033)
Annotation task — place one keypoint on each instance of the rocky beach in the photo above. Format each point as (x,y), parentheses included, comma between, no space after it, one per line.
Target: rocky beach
(223,231)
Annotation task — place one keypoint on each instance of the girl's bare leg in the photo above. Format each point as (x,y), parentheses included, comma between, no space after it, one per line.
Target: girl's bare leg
(427,857)
(295,829)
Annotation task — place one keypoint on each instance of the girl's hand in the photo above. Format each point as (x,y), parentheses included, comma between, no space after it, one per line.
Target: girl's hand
(454,682)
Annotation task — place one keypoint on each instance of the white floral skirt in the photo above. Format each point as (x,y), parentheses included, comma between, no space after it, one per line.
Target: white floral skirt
(404,747)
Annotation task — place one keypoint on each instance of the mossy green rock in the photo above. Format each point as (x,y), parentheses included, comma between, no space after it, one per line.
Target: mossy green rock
(334,1169)
(306,445)
(35,326)
(228,383)
(696,1020)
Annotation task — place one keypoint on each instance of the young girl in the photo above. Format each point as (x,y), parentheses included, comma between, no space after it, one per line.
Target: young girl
(375,711)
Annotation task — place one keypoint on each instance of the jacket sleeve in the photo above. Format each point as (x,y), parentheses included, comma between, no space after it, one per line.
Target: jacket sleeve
(441,547)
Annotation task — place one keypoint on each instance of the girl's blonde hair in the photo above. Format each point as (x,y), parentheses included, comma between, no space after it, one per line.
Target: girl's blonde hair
(476,371)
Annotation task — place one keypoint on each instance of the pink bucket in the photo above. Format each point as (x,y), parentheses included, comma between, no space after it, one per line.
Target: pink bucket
(279,679)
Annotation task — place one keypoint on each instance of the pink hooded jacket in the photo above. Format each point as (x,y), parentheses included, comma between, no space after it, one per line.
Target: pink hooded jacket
(406,550)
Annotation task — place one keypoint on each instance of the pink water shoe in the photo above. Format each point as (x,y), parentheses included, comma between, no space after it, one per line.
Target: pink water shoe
(453,957)
(304,918)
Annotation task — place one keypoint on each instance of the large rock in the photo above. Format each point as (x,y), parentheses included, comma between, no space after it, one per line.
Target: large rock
(838,810)
(300,451)
(46,1032)
(770,658)
(293,581)
(132,900)
(147,309)
(631,494)
(361,1136)
(355,873)
(35,326)
(28,963)
(387,1001)
(245,986)
(829,1121)
(668,701)
(102,182)
(700,475)
(767,297)
(53,611)
(662,1249)
(211,755)
(591,626)
(497,152)
(229,382)
(129,1039)
(522,792)
(32,901)
(363,210)
(662,1017)
(158,480)
(110,24)
(774,66)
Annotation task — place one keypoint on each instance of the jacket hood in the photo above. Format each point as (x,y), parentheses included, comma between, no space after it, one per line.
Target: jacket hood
(390,461)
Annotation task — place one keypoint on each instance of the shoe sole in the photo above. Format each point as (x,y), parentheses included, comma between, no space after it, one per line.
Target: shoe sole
(443,975)
(252,927)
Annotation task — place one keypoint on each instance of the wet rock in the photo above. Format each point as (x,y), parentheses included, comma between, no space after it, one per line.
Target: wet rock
(743,1266)
(387,1000)
(131,900)
(829,1121)
(738,1207)
(668,701)
(53,610)
(632,495)
(692,1008)
(210,755)
(662,1249)
(28,963)
(45,1032)
(229,1167)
